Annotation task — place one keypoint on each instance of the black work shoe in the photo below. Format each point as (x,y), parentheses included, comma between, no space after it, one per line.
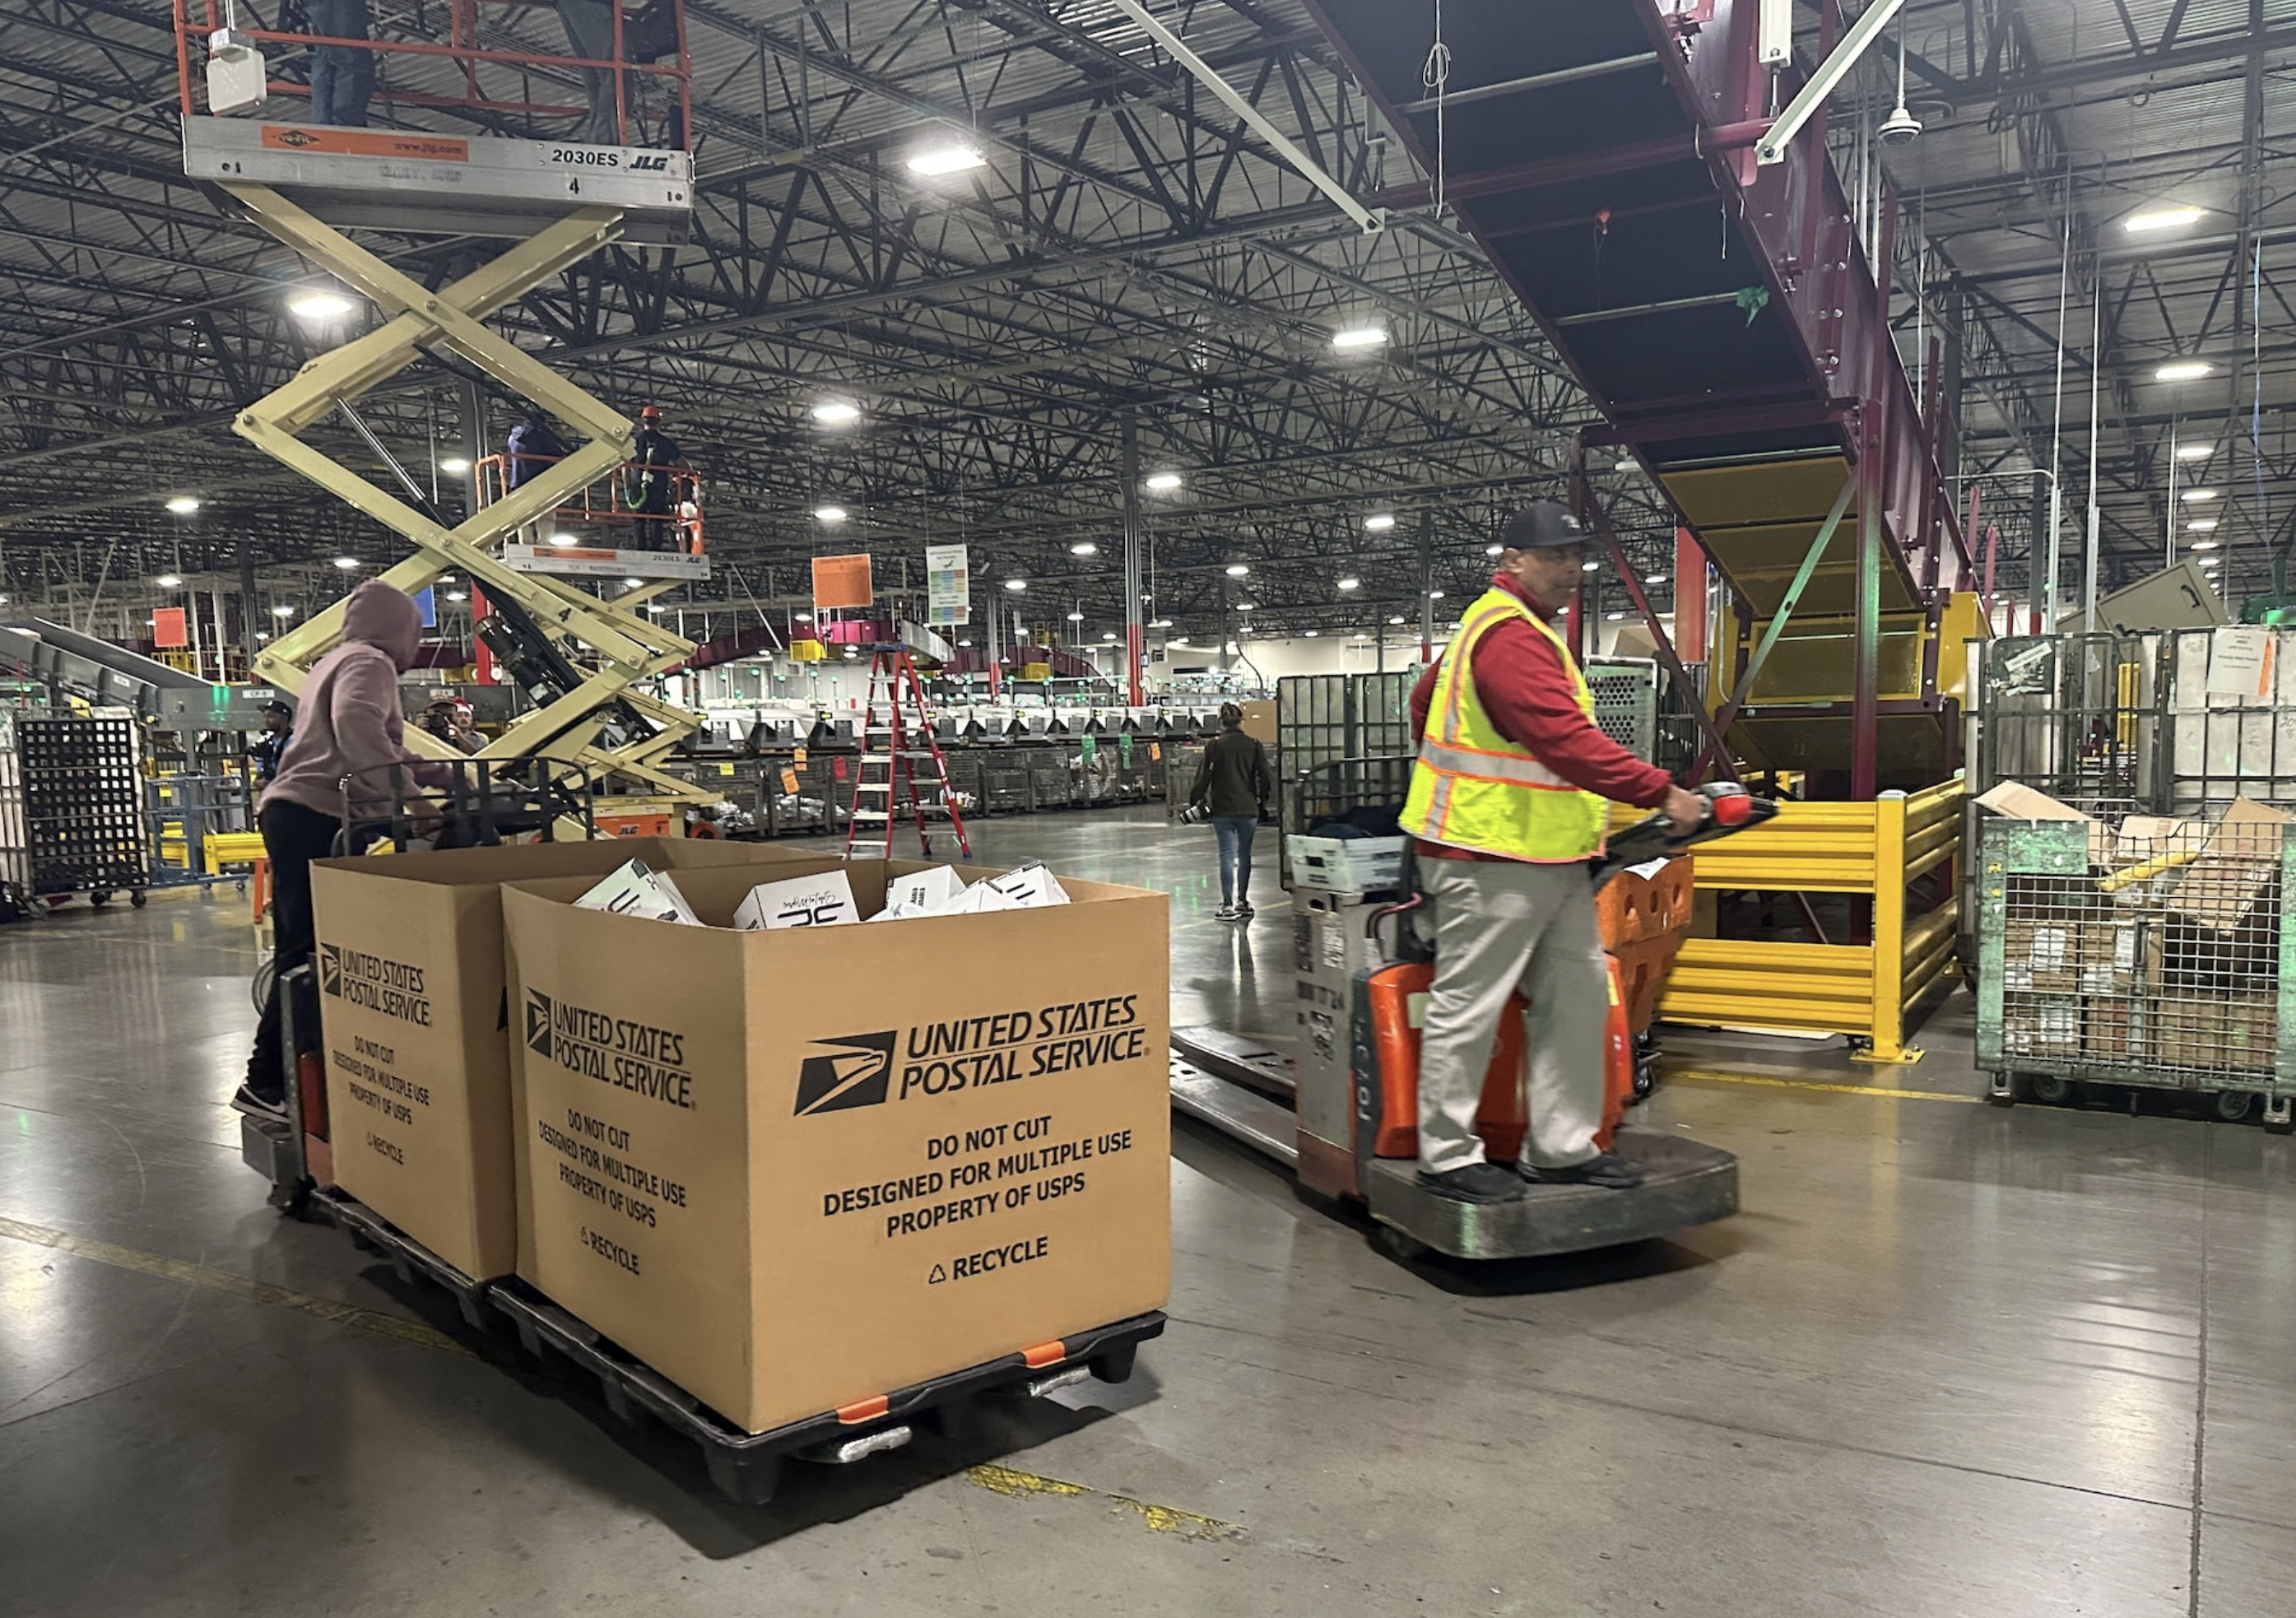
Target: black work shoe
(269,1108)
(1475,1183)
(1607,1170)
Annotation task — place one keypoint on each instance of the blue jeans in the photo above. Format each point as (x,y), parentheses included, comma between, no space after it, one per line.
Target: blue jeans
(1235,855)
(342,79)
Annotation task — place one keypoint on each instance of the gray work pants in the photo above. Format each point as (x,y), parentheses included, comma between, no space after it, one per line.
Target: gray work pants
(1500,926)
(590,32)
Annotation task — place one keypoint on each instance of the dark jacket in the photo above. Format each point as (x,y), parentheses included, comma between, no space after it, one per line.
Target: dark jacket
(1233,774)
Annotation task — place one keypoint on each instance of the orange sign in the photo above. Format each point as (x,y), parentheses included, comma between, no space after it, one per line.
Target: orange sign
(364,142)
(843,581)
(168,629)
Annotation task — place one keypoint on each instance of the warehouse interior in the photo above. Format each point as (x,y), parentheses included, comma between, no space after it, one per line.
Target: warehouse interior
(962,423)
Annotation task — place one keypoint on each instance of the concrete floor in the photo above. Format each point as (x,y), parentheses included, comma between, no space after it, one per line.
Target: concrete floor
(1950,1360)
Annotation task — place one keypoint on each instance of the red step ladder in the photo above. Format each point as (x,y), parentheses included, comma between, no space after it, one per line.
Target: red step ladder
(897,730)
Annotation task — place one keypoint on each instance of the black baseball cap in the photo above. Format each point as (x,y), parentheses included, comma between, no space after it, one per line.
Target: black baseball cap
(277,707)
(1540,526)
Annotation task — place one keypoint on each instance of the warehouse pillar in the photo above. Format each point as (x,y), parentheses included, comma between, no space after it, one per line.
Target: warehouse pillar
(1133,546)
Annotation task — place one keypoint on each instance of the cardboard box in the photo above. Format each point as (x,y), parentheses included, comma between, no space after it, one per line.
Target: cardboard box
(2251,1032)
(2038,1027)
(1259,720)
(2233,887)
(2112,954)
(413,1021)
(2109,1033)
(2041,956)
(2188,1030)
(793,1171)
(822,900)
(2018,801)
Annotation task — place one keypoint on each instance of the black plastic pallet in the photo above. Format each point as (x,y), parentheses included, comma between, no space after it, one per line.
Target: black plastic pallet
(746,1467)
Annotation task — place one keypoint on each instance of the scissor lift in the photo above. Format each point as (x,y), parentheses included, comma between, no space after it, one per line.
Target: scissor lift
(587,659)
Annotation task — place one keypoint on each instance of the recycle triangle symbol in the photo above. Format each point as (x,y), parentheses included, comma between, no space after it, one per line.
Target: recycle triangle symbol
(938,1277)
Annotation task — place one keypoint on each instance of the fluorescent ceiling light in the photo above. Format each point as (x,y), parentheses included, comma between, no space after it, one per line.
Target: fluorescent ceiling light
(829,513)
(2204,544)
(1238,569)
(953,158)
(2182,371)
(456,595)
(184,506)
(283,611)
(1434,595)
(1653,577)
(1311,634)
(1396,619)
(1016,584)
(1108,634)
(632,583)
(2198,525)
(1163,482)
(1381,522)
(1616,617)
(2199,496)
(1245,606)
(805,618)
(1494,550)
(1359,337)
(561,541)
(963,645)
(170,582)
(1084,547)
(319,306)
(1161,623)
(2195,452)
(1588,567)
(1179,640)
(453,466)
(656,608)
(347,563)
(1076,618)
(836,413)
(2162,219)
(1349,584)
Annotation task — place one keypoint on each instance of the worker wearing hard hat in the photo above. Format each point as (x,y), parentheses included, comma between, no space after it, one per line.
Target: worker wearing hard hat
(1507,804)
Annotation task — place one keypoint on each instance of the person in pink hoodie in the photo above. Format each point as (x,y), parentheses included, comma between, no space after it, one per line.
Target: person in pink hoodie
(349,729)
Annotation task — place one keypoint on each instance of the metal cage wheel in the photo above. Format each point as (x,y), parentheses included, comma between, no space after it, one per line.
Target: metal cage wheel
(2053,1089)
(2234,1106)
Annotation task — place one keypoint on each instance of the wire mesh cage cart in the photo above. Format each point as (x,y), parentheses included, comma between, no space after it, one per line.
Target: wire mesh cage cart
(72,809)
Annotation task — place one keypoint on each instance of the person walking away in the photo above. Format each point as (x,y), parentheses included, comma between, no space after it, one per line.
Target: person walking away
(589,26)
(648,482)
(342,76)
(278,729)
(1232,777)
(351,727)
(1507,805)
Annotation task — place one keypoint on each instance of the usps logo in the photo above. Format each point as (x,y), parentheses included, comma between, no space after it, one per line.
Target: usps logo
(853,1070)
(331,970)
(538,1023)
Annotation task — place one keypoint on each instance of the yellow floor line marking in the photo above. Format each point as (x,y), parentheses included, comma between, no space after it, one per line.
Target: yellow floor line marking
(1702,1076)
(231,1285)
(1014,1483)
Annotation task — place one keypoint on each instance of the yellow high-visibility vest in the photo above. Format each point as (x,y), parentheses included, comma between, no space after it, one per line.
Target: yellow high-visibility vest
(1472,788)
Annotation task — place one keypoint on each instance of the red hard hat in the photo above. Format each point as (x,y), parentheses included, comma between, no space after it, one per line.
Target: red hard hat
(652,413)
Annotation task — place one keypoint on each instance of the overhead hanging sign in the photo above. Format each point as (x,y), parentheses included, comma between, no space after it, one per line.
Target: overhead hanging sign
(169,631)
(843,581)
(948,586)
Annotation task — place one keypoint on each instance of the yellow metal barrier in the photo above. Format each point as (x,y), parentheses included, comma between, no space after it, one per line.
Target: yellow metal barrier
(1871,850)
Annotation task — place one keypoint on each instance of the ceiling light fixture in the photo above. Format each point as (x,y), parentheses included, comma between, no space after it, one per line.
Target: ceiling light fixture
(1616,617)
(1108,634)
(1653,577)
(1245,606)
(170,581)
(1311,634)
(1396,619)
(184,506)
(829,513)
(1380,523)
(953,159)
(347,563)
(1076,618)
(963,646)
(561,541)
(2182,371)
(1016,584)
(1351,583)
(1588,567)
(453,466)
(2162,219)
(456,595)
(2195,452)
(1238,569)
(836,413)
(2200,525)
(2204,544)
(1160,623)
(1494,550)
(1084,547)
(1162,482)
(319,306)
(283,611)
(1434,595)
(1359,337)
(2199,496)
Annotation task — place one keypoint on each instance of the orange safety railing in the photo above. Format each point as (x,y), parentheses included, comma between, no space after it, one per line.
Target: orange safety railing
(461,51)
(614,514)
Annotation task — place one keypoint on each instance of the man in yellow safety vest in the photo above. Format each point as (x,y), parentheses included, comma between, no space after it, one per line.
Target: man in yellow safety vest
(1507,804)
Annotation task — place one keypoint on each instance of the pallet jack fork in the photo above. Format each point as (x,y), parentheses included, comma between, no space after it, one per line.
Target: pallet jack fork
(621,647)
(1346,1128)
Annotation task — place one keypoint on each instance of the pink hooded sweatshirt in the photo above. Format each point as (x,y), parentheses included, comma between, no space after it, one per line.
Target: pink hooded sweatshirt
(350,721)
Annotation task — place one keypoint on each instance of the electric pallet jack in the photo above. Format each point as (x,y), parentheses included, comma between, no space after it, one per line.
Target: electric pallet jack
(1351,1129)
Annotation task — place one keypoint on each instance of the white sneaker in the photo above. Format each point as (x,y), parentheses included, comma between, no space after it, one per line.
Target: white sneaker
(1227,913)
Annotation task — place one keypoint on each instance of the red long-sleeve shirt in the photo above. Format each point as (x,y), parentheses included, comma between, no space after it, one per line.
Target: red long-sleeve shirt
(1526,690)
